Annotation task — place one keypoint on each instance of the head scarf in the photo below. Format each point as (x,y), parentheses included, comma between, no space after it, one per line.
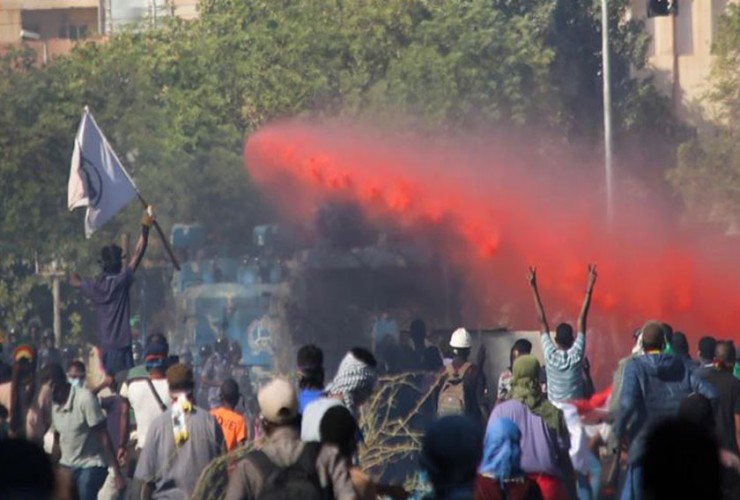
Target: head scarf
(525,388)
(501,451)
(354,382)
(24,352)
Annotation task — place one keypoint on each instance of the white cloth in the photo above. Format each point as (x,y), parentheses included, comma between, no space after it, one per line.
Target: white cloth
(312,415)
(603,430)
(181,408)
(97,180)
(579,452)
(145,405)
(108,490)
(355,382)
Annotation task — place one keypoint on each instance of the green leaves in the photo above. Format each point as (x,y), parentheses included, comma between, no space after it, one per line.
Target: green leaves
(708,171)
(177,101)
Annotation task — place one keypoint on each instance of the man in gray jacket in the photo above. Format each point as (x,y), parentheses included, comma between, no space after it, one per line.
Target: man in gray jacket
(180,442)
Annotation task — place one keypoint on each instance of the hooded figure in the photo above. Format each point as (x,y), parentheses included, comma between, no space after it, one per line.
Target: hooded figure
(654,385)
(526,388)
(546,441)
(500,474)
(355,381)
(352,387)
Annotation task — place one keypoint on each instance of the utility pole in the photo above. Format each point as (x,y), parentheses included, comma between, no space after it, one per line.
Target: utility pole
(57,309)
(607,97)
(54,272)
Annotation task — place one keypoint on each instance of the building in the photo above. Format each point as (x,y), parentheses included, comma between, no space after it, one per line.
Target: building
(51,26)
(680,55)
(126,13)
(54,26)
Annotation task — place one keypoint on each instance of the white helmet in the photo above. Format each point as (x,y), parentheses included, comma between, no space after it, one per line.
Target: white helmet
(461,339)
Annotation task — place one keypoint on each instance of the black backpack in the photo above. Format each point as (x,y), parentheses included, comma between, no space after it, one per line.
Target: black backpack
(297,481)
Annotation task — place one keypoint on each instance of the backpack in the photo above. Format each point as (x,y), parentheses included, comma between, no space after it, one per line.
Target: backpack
(452,396)
(297,481)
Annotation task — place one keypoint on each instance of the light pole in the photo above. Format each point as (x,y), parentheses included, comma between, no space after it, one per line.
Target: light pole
(607,100)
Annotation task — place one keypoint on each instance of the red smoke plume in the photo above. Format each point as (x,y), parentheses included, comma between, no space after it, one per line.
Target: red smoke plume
(512,206)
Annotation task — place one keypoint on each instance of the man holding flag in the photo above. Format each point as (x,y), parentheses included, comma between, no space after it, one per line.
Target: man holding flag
(99,182)
(109,294)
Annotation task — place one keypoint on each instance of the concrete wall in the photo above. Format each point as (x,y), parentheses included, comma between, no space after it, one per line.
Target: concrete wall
(185,9)
(50,4)
(45,17)
(48,23)
(10,25)
(681,53)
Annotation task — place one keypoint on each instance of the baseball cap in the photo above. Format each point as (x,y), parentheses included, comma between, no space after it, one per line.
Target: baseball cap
(155,350)
(278,402)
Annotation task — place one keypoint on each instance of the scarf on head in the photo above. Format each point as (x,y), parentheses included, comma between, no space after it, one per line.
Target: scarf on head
(525,388)
(501,451)
(355,382)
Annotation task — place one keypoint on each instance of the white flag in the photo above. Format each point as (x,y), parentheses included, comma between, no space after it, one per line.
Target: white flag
(97,180)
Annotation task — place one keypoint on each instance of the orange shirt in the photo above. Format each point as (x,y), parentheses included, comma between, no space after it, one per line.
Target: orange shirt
(233,425)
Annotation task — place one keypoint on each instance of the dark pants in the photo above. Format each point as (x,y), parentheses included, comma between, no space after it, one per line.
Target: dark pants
(89,480)
(117,360)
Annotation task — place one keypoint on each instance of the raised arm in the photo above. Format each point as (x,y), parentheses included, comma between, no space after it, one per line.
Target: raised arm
(146,223)
(587,300)
(537,300)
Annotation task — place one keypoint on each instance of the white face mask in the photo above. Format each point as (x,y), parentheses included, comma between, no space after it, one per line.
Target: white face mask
(75,382)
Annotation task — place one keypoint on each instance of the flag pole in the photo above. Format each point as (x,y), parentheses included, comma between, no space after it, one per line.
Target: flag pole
(162,237)
(166,243)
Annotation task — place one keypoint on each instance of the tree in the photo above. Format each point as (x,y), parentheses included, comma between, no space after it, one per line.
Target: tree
(708,171)
(177,101)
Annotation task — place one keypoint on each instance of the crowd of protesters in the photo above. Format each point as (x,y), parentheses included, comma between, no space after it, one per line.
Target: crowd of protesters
(667,427)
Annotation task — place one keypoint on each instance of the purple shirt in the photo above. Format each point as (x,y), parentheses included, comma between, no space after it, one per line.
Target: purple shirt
(540,446)
(109,295)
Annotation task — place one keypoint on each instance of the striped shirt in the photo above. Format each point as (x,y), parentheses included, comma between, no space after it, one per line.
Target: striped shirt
(564,368)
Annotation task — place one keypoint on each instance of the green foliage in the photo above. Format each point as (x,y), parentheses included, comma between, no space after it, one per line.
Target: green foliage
(708,172)
(177,101)
(15,293)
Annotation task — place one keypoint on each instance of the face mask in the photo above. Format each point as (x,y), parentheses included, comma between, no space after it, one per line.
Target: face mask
(75,382)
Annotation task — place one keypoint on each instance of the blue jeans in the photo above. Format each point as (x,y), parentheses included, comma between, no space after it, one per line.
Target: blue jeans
(588,485)
(89,480)
(632,488)
(583,487)
(594,473)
